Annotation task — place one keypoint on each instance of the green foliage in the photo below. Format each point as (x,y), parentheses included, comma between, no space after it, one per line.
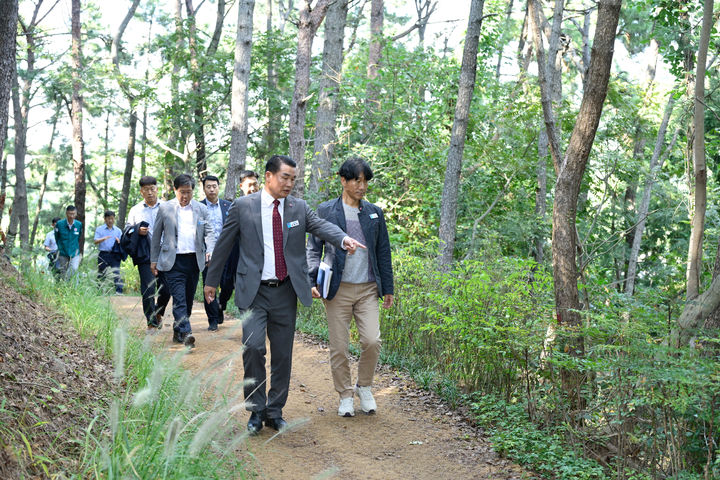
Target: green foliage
(544,452)
(160,423)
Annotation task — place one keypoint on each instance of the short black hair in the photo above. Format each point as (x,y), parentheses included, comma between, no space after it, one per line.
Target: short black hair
(55,220)
(353,167)
(273,164)
(248,173)
(212,178)
(182,180)
(108,213)
(147,180)
(70,208)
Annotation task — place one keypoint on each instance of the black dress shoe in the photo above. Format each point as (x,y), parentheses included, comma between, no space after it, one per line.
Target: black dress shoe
(212,328)
(222,317)
(255,424)
(276,423)
(189,340)
(178,337)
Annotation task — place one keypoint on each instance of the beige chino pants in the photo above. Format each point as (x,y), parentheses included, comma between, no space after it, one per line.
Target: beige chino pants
(359,300)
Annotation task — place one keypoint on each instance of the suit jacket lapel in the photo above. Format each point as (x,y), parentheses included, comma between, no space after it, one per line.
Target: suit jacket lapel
(256,214)
(340,214)
(288,210)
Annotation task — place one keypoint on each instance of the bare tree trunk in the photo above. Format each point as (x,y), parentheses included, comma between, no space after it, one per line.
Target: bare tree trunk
(19,213)
(3,186)
(372,101)
(106,154)
(132,113)
(324,146)
(501,49)
(694,268)
(21,113)
(656,163)
(468,71)
(175,135)
(567,189)
(127,176)
(310,20)
(354,24)
(545,76)
(48,163)
(239,101)
(8,30)
(271,127)
(78,145)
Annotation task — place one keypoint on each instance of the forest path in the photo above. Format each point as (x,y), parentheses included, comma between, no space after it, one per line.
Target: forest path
(412,436)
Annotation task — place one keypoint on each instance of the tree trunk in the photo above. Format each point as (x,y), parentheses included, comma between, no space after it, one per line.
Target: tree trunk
(549,75)
(567,189)
(501,48)
(310,19)
(656,162)
(21,112)
(127,176)
(3,186)
(8,30)
(468,71)
(271,125)
(48,163)
(106,155)
(176,134)
(239,100)
(694,268)
(374,55)
(19,213)
(325,139)
(78,145)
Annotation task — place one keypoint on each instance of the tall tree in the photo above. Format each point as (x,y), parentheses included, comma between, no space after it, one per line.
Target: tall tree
(567,188)
(377,17)
(48,163)
(239,99)
(656,162)
(310,20)
(8,30)
(196,74)
(699,192)
(325,138)
(76,117)
(468,71)
(131,97)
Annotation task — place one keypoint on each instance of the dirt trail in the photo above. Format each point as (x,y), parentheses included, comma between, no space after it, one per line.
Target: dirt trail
(412,436)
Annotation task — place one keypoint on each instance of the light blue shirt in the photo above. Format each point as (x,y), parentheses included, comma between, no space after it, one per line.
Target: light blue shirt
(50,241)
(104,231)
(215,217)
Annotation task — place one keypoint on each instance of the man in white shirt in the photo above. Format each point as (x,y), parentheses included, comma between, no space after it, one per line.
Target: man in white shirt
(146,211)
(182,242)
(107,238)
(50,246)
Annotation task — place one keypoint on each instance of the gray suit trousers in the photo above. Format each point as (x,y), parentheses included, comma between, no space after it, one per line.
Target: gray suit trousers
(272,312)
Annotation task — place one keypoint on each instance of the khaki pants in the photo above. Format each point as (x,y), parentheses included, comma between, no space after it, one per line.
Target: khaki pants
(359,300)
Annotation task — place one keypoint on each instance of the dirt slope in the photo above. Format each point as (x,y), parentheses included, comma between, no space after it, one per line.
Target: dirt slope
(413,436)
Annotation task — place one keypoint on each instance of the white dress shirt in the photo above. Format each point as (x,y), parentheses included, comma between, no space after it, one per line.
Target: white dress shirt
(142,212)
(266,211)
(185,229)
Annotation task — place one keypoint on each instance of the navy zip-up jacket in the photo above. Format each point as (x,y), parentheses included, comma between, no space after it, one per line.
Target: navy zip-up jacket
(372,222)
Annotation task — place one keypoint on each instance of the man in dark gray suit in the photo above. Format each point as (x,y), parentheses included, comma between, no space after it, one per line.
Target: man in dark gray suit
(272,274)
(182,242)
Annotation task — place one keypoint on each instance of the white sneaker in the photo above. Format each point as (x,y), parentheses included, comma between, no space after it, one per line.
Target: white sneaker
(367,402)
(346,408)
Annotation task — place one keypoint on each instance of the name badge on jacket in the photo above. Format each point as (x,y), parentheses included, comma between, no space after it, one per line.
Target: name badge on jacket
(292,224)
(373,215)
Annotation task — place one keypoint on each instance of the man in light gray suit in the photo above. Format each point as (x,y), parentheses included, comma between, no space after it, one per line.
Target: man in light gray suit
(182,242)
(272,273)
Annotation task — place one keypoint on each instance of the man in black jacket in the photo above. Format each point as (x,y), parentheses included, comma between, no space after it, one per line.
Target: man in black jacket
(141,220)
(356,283)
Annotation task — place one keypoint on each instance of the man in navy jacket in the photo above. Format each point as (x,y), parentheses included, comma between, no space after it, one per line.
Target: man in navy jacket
(217,212)
(355,284)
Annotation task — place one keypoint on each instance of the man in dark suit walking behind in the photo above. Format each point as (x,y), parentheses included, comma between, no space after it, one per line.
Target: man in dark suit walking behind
(271,275)
(217,212)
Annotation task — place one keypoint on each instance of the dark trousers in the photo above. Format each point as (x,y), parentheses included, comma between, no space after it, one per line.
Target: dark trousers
(272,313)
(112,261)
(149,285)
(215,309)
(182,280)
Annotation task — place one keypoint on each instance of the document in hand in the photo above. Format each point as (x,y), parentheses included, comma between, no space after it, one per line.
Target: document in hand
(323,279)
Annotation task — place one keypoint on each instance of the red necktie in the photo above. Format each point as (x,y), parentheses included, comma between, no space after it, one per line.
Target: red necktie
(280,267)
